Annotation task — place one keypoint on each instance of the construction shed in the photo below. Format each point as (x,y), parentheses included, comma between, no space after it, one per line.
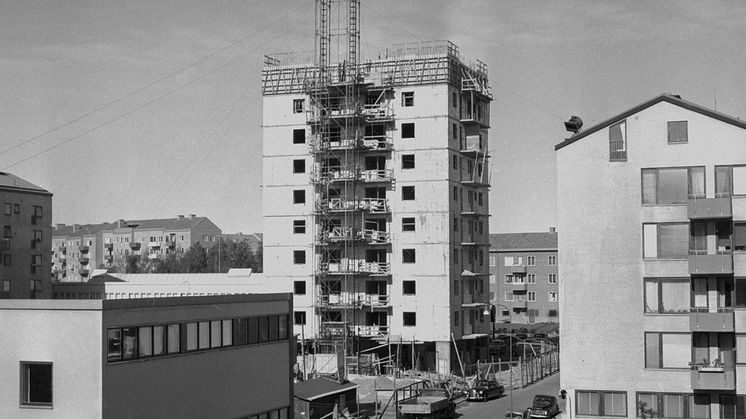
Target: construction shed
(325,398)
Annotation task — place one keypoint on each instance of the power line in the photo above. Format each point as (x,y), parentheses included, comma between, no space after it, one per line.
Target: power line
(151,84)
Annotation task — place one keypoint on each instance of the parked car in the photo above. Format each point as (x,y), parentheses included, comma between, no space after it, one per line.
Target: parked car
(484,390)
(543,407)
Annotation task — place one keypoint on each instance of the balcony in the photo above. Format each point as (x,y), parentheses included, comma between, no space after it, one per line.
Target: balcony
(473,146)
(135,245)
(702,263)
(375,301)
(375,236)
(372,205)
(84,260)
(152,245)
(355,266)
(334,175)
(84,249)
(378,112)
(377,143)
(517,269)
(171,243)
(344,300)
(109,258)
(377,175)
(709,208)
(371,331)
(109,246)
(706,321)
(713,378)
(472,209)
(84,272)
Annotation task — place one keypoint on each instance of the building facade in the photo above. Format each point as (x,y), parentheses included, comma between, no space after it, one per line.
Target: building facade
(376,198)
(524,277)
(77,251)
(217,357)
(652,210)
(26,239)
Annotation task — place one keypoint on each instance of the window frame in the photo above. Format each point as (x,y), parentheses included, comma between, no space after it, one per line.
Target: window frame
(299,105)
(299,166)
(299,196)
(297,137)
(408,224)
(601,407)
(297,285)
(689,193)
(411,290)
(409,319)
(407,130)
(409,256)
(622,152)
(299,226)
(407,161)
(297,259)
(670,124)
(407,99)
(25,384)
(408,193)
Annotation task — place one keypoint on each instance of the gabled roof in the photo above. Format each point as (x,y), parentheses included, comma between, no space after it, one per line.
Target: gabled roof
(79,230)
(320,387)
(9,181)
(665,97)
(524,241)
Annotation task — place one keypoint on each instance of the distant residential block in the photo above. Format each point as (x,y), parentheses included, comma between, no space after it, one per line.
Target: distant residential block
(78,249)
(225,356)
(26,239)
(523,277)
(652,210)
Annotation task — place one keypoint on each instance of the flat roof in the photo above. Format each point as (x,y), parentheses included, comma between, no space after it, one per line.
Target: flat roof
(50,304)
(523,241)
(320,387)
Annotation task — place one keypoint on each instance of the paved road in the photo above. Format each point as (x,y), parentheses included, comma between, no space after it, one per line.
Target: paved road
(522,398)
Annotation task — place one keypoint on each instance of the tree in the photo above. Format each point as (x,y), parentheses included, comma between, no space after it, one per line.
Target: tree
(259,260)
(195,259)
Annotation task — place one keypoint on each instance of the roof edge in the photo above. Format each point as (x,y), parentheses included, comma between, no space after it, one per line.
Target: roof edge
(665,97)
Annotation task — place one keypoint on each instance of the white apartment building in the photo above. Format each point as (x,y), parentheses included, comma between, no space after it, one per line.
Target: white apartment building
(376,199)
(652,209)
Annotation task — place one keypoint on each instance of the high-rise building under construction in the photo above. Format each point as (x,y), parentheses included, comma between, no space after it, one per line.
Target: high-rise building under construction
(375,194)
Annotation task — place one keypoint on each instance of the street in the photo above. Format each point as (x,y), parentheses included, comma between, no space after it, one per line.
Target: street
(522,399)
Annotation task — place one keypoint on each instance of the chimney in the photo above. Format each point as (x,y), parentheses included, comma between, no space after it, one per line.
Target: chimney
(58,226)
(120,223)
(552,230)
(192,216)
(76,227)
(180,217)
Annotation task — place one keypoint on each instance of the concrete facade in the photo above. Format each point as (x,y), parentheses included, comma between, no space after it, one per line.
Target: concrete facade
(25,214)
(98,370)
(523,277)
(651,310)
(430,203)
(77,251)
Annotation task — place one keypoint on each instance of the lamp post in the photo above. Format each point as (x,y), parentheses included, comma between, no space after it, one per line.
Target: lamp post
(493,312)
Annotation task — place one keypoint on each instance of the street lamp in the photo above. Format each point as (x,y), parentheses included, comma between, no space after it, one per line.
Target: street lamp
(493,313)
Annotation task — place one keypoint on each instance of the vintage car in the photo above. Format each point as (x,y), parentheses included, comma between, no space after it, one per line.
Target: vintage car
(543,407)
(484,390)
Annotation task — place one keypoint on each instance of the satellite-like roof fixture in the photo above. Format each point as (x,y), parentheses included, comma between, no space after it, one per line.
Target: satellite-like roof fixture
(574,124)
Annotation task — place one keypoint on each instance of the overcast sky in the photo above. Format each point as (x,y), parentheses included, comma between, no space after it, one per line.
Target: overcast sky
(180,142)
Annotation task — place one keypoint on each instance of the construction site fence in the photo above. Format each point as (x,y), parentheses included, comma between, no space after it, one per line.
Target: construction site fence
(518,373)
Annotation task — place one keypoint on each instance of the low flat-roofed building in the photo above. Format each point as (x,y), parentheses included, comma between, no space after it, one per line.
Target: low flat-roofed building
(114,286)
(318,398)
(215,356)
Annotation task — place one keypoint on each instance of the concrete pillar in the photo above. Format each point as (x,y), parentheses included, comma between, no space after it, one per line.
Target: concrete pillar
(443,354)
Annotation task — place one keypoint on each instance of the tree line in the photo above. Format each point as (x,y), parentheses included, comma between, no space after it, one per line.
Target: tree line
(218,258)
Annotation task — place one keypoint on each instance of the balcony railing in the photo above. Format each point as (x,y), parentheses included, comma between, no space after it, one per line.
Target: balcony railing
(378,112)
(84,260)
(134,245)
(154,244)
(378,143)
(703,263)
(703,320)
(516,269)
(109,257)
(375,300)
(373,205)
(718,206)
(378,175)
(84,249)
(354,266)
(343,300)
(371,331)
(108,246)
(376,236)
(713,376)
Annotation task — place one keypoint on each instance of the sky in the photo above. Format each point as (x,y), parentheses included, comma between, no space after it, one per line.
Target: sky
(152,108)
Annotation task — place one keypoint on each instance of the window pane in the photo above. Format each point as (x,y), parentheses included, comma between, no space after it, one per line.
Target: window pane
(739,180)
(283,327)
(227,332)
(650,240)
(215,334)
(129,344)
(673,240)
(675,295)
(701,348)
(253,329)
(672,186)
(723,180)
(652,350)
(204,335)
(699,406)
(615,404)
(158,340)
(587,403)
(38,385)
(115,345)
(263,325)
(697,182)
(173,338)
(191,338)
(146,341)
(273,328)
(673,405)
(651,295)
(240,329)
(739,237)
(648,186)
(677,132)
(676,350)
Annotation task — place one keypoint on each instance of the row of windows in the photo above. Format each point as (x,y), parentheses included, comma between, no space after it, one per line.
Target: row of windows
(678,240)
(658,405)
(136,342)
(407,101)
(675,185)
(408,256)
(529,296)
(10,208)
(677,134)
(34,284)
(372,287)
(516,279)
(529,260)
(682,295)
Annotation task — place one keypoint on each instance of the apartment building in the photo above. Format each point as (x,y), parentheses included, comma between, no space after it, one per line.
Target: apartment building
(523,277)
(26,239)
(652,210)
(225,356)
(77,251)
(376,199)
